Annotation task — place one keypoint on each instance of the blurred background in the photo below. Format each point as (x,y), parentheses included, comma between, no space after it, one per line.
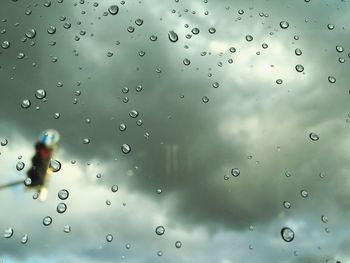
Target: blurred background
(191,131)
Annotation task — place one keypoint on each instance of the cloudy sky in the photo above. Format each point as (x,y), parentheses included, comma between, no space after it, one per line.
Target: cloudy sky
(227,94)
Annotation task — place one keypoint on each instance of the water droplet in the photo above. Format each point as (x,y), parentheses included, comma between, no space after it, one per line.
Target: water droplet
(159,253)
(279,81)
(126,148)
(287,234)
(159,191)
(304,193)
(313,136)
(160,230)
(63,194)
(27,181)
(35,195)
(114,188)
(240,11)
(86,141)
(26,104)
(133,113)
(212,30)
(288,174)
(331,79)
(178,244)
(232,49)
(284,24)
(108,202)
(139,22)
(109,238)
(339,48)
(299,68)
(19,166)
(55,165)
(235,172)
(4,142)
(56,115)
(24,239)
(286,205)
(298,52)
(122,127)
(173,37)
(131,29)
(67,229)
(47,221)
(109,54)
(153,38)
(113,9)
(128,246)
(31,33)
(139,122)
(195,31)
(249,38)
(330,26)
(51,30)
(205,99)
(40,94)
(61,208)
(186,62)
(324,219)
(5,44)
(8,233)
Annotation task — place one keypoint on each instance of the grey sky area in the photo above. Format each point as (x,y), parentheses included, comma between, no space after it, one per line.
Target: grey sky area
(244,86)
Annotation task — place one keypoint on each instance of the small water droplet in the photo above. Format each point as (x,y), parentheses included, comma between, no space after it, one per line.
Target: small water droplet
(178,244)
(304,193)
(114,188)
(205,99)
(299,68)
(287,234)
(27,181)
(324,219)
(24,239)
(61,208)
(313,136)
(86,141)
(249,38)
(47,221)
(284,24)
(139,22)
(109,238)
(212,30)
(339,48)
(67,229)
(279,81)
(5,44)
(186,62)
(286,204)
(330,26)
(195,31)
(331,79)
(4,142)
(20,165)
(298,52)
(63,194)
(160,230)
(126,148)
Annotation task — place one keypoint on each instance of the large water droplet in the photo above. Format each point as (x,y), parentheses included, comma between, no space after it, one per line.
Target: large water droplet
(5,44)
(173,37)
(126,148)
(8,232)
(160,230)
(47,221)
(55,165)
(26,104)
(133,113)
(113,9)
(287,234)
(40,94)
(31,33)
